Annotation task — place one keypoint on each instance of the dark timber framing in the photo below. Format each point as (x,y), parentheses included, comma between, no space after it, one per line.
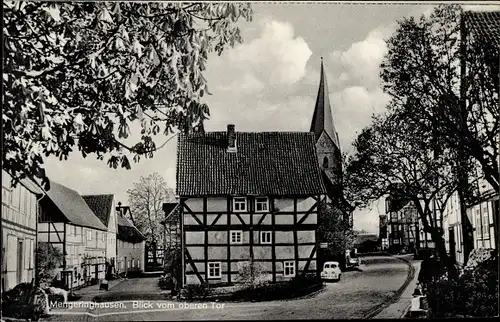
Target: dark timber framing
(245,221)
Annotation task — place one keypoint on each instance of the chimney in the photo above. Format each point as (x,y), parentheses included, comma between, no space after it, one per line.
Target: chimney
(231,138)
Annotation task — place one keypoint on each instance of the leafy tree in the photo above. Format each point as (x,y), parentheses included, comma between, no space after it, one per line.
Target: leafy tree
(77,74)
(48,258)
(422,73)
(146,200)
(335,229)
(393,156)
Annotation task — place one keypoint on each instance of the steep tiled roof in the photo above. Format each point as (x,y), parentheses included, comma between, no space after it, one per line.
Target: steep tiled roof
(73,207)
(486,24)
(266,163)
(127,231)
(101,205)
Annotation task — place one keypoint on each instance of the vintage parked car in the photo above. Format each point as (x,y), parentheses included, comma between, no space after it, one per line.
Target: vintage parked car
(331,271)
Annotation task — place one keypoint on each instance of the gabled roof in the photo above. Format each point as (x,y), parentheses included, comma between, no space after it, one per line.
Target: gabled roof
(485,24)
(171,210)
(73,207)
(101,205)
(127,231)
(322,120)
(265,163)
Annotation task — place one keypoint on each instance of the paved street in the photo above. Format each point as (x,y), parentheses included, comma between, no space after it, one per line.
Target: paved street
(353,297)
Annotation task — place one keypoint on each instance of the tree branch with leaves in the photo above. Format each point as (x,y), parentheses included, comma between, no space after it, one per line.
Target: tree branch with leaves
(77,75)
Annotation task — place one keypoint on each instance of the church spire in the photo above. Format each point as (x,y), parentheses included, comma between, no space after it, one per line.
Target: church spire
(322,118)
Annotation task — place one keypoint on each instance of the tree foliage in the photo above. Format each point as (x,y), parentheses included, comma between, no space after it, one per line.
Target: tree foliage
(421,72)
(48,258)
(394,156)
(146,206)
(335,229)
(78,74)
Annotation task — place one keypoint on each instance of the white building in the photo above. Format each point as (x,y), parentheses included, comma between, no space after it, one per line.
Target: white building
(19,221)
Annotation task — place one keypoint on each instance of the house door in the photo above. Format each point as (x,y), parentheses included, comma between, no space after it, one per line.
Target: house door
(451,232)
(19,261)
(126,265)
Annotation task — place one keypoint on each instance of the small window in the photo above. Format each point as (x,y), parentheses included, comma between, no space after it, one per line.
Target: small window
(289,269)
(89,234)
(265,237)
(103,236)
(486,228)
(261,204)
(236,237)
(325,162)
(240,204)
(214,270)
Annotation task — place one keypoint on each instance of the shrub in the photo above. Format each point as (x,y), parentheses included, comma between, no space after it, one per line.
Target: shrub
(48,259)
(251,274)
(474,293)
(24,302)
(195,291)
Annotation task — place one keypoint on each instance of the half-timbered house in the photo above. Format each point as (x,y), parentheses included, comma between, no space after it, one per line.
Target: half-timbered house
(67,222)
(19,213)
(104,208)
(248,198)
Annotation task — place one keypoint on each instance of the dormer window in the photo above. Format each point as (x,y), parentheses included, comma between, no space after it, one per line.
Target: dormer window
(325,162)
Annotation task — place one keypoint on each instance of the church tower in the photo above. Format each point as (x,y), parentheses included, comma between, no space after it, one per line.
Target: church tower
(327,141)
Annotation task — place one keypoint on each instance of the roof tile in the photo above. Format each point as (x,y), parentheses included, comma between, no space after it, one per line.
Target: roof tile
(73,207)
(486,24)
(101,205)
(266,163)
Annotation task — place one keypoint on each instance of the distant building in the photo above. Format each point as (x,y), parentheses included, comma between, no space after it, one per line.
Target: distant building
(19,223)
(328,150)
(103,207)
(383,232)
(172,224)
(131,245)
(68,223)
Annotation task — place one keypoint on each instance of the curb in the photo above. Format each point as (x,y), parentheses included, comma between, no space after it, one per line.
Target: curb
(392,299)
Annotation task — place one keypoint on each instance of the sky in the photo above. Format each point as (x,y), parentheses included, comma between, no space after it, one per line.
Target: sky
(270,83)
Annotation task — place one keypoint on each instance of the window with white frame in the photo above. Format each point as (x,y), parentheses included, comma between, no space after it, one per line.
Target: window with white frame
(236,237)
(89,234)
(214,270)
(103,236)
(289,269)
(239,204)
(265,237)
(261,204)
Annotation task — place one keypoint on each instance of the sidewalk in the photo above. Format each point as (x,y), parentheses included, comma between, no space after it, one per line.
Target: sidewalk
(398,309)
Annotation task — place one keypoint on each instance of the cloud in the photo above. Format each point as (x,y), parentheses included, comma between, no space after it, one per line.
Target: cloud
(361,61)
(275,57)
(353,108)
